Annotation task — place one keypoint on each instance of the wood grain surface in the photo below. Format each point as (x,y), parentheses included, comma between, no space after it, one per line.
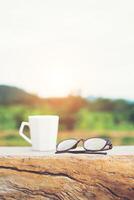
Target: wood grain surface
(67,176)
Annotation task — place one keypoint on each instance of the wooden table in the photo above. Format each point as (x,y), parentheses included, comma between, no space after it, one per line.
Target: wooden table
(31,175)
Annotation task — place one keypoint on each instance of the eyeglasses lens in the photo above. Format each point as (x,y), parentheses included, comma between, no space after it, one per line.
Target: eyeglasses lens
(66,145)
(94,144)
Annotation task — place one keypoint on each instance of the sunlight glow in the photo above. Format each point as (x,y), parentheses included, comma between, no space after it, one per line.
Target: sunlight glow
(58,82)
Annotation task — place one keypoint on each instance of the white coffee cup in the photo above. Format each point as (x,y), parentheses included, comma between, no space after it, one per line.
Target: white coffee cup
(43,131)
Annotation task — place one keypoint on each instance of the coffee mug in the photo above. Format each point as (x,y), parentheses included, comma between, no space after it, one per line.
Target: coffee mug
(43,131)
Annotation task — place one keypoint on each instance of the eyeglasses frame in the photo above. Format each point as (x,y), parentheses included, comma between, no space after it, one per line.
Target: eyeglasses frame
(108,143)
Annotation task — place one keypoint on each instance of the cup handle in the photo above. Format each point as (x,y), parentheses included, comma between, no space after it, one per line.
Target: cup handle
(23,124)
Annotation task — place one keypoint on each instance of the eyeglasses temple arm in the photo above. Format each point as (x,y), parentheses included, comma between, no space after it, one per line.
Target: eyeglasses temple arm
(82,152)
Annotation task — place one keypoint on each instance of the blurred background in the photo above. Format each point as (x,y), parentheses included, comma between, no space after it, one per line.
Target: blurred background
(72,58)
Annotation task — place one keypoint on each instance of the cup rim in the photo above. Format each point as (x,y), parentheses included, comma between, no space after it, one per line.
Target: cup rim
(43,116)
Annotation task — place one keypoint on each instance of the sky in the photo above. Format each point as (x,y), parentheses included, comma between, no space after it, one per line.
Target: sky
(56,48)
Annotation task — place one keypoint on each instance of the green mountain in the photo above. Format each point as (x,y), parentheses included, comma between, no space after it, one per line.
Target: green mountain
(14,95)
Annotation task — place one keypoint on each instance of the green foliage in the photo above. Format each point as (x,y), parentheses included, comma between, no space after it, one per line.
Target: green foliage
(71,116)
(127,140)
(76,113)
(102,121)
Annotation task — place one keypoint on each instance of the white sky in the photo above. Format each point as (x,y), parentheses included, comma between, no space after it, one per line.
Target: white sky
(54,47)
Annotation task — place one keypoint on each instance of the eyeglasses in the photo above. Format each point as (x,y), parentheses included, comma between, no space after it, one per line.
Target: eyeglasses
(90,145)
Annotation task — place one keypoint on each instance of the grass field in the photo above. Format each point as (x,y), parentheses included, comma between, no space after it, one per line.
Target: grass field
(12,138)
